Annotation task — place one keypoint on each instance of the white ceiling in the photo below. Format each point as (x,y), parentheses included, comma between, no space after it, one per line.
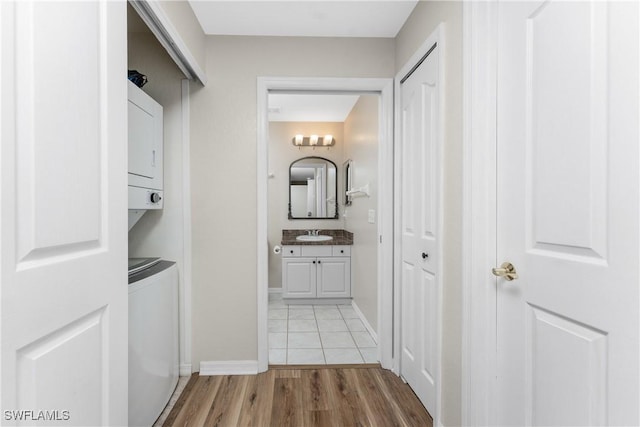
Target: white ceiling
(310,107)
(304,18)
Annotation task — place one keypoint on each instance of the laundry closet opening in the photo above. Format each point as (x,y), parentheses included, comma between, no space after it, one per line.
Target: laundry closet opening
(323,180)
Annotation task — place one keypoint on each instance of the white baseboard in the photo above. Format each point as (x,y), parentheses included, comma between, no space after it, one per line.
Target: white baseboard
(367,325)
(275,290)
(185,370)
(229,367)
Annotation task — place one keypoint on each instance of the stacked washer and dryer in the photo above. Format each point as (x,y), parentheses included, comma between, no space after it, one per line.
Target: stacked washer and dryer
(153,283)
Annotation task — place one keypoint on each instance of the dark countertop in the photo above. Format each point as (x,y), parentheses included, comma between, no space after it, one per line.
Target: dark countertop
(340,237)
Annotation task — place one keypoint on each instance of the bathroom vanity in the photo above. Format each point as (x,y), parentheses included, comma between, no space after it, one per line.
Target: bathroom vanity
(316,270)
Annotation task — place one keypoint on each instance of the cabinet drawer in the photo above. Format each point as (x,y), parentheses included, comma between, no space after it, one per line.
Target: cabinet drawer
(344,250)
(288,251)
(309,250)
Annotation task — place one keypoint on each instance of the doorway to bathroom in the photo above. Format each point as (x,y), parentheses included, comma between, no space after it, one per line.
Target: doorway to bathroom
(323,295)
(345,124)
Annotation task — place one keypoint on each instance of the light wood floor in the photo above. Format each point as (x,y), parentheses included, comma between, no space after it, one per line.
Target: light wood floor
(300,397)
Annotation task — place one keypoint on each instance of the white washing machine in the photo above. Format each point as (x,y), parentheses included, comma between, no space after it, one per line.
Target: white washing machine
(153,338)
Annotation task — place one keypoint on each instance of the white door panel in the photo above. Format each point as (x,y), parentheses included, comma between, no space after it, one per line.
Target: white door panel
(420,170)
(568,137)
(63,210)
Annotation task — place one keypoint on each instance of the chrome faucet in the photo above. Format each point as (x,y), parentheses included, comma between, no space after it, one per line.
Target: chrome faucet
(312,232)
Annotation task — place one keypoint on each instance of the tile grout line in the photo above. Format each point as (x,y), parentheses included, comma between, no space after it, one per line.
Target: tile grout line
(351,333)
(286,337)
(324,356)
(352,337)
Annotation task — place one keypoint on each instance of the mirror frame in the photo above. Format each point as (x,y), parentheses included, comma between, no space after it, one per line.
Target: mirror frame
(348,181)
(336,216)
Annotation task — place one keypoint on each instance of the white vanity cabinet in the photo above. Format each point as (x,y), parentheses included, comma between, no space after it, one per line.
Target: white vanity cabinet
(316,271)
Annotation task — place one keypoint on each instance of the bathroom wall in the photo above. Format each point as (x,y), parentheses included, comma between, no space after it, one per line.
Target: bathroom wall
(281,154)
(223,173)
(422,22)
(361,146)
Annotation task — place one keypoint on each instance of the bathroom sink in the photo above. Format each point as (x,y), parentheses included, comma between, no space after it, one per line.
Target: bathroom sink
(307,238)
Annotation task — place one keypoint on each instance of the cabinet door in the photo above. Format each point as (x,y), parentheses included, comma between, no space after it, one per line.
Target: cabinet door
(334,277)
(299,277)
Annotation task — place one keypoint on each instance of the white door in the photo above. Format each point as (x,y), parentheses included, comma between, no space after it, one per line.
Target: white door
(568,174)
(419,275)
(63,213)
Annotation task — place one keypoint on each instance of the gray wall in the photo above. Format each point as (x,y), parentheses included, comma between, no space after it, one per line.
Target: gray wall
(223,160)
(223,150)
(361,146)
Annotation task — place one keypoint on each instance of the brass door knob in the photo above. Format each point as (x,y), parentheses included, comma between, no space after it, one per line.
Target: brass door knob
(506,270)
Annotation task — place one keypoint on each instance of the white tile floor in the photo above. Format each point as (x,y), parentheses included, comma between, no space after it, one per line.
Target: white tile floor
(317,335)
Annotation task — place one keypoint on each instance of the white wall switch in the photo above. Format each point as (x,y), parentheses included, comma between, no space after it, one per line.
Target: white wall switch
(372,216)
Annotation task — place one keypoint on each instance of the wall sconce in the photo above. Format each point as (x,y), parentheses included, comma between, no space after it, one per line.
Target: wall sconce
(313,141)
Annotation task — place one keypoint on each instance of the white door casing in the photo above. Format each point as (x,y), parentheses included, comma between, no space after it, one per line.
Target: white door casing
(420,281)
(479,217)
(568,213)
(386,211)
(63,123)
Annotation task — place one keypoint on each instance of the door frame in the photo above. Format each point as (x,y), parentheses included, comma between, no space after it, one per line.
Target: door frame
(383,87)
(435,38)
(480,20)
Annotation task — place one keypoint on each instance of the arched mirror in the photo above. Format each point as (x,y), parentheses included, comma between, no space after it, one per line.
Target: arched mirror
(313,187)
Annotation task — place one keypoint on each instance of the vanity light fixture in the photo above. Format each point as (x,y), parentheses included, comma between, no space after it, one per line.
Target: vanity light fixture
(313,141)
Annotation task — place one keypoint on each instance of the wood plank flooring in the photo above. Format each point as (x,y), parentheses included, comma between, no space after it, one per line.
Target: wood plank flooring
(346,396)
